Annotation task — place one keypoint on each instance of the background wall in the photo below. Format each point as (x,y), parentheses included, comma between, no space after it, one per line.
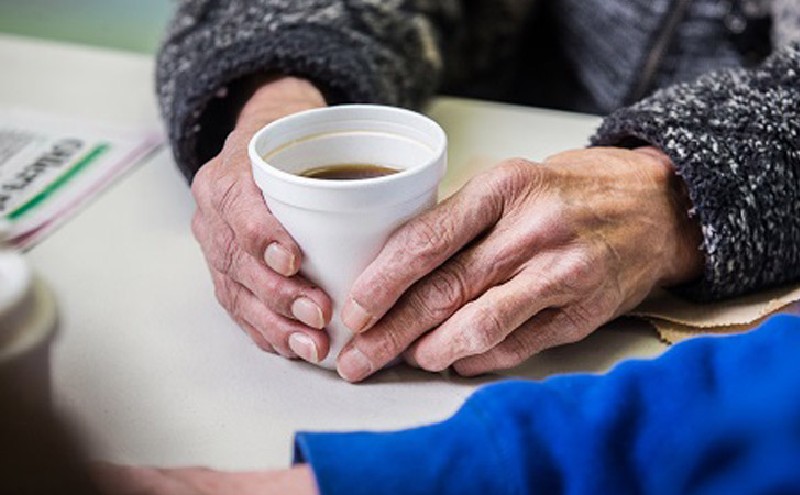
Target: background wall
(134,25)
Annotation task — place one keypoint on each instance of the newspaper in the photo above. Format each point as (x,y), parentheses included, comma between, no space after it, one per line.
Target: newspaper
(50,166)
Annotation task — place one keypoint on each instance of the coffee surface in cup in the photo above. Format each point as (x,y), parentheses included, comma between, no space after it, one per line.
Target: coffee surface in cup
(348,171)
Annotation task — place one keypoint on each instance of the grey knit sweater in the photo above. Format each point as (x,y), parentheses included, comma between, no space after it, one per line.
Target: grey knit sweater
(713,83)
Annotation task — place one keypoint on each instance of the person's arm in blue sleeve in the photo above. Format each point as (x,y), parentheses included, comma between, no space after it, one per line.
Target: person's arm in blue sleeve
(710,416)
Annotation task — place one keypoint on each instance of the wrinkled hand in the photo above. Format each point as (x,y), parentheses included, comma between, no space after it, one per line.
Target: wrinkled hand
(253,261)
(525,257)
(126,480)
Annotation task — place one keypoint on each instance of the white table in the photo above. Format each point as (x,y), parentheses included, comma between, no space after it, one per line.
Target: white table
(150,367)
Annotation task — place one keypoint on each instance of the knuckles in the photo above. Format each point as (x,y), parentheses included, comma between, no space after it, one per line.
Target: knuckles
(432,358)
(428,239)
(251,229)
(506,183)
(513,175)
(576,323)
(219,245)
(224,250)
(201,183)
(442,293)
(509,358)
(225,194)
(385,348)
(279,294)
(484,331)
(582,271)
(228,195)
(228,296)
(488,330)
(432,364)
(491,361)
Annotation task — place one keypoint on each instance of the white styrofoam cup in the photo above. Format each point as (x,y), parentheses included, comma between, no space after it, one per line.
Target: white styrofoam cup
(28,322)
(341,225)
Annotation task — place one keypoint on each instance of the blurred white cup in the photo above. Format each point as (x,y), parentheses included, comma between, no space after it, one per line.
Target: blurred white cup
(27,327)
(341,225)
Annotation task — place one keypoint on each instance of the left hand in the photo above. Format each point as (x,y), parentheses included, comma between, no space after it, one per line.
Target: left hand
(129,480)
(523,258)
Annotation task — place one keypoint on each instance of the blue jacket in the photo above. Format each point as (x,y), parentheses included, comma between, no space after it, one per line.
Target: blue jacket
(710,416)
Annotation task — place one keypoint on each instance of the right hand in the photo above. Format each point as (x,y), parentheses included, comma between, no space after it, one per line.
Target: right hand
(252,259)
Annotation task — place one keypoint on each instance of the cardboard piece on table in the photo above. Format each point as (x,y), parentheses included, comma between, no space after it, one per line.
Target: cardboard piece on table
(673,333)
(677,319)
(736,311)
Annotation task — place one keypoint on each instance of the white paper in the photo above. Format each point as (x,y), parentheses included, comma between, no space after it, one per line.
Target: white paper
(51,165)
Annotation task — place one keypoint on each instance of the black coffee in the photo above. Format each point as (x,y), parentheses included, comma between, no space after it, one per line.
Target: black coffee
(349,171)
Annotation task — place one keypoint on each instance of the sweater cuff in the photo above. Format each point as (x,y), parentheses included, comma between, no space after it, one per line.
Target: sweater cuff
(731,140)
(442,458)
(631,128)
(197,128)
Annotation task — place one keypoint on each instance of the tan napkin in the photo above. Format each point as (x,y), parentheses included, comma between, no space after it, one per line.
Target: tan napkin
(674,318)
(677,319)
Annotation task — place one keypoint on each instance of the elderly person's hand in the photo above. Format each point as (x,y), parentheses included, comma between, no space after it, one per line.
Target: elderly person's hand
(525,257)
(128,480)
(253,261)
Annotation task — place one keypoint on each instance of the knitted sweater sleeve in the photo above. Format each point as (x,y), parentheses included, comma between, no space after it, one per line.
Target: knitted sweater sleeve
(393,52)
(734,137)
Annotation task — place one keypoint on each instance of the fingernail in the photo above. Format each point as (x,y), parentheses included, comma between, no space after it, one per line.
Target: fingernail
(280,259)
(307,311)
(353,365)
(355,317)
(303,346)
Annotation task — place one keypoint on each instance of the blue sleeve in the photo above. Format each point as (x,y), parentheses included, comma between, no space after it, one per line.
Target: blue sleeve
(712,415)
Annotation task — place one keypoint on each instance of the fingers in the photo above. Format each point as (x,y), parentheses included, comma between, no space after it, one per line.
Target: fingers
(413,315)
(434,299)
(550,328)
(129,480)
(484,323)
(240,238)
(417,248)
(267,328)
(293,297)
(237,201)
(297,481)
(258,338)
(426,305)
(557,279)
(236,232)
(133,480)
